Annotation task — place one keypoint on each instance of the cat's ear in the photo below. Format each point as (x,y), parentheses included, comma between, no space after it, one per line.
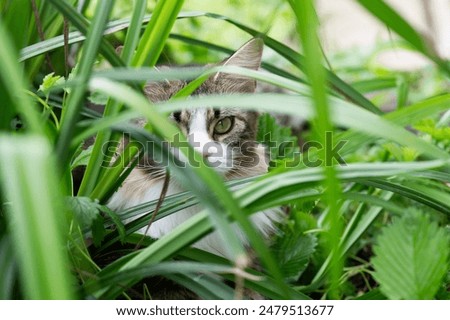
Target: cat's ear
(162,90)
(156,91)
(248,56)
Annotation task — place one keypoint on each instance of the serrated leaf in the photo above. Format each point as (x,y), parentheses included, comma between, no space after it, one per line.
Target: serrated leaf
(49,81)
(98,98)
(88,215)
(293,250)
(411,258)
(85,210)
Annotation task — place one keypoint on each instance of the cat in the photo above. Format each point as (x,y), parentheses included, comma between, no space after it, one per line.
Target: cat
(225,137)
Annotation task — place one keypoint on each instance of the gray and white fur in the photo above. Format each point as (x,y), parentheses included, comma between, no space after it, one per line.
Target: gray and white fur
(209,130)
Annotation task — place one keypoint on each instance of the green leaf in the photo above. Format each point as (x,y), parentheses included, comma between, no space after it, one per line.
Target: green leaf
(411,258)
(374,294)
(263,284)
(270,132)
(203,276)
(82,158)
(98,230)
(83,25)
(401,153)
(48,82)
(430,127)
(12,94)
(85,210)
(7,268)
(98,98)
(298,60)
(89,215)
(373,85)
(72,111)
(36,216)
(436,202)
(293,250)
(156,33)
(117,221)
(379,9)
(79,36)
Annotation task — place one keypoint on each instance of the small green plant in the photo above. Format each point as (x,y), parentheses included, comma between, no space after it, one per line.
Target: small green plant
(413,268)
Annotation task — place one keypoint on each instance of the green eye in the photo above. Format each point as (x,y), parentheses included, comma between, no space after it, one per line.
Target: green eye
(224,125)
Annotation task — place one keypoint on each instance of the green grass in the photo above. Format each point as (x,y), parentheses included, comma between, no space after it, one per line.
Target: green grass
(391,191)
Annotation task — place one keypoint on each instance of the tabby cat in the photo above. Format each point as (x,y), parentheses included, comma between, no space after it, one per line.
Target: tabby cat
(225,138)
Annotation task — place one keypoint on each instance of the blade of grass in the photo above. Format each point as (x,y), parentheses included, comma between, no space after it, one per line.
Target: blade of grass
(12,89)
(52,23)
(77,36)
(102,147)
(364,217)
(71,114)
(403,117)
(402,92)
(292,56)
(266,286)
(361,220)
(199,74)
(298,60)
(36,217)
(164,268)
(296,178)
(307,29)
(8,267)
(99,124)
(148,51)
(156,32)
(207,288)
(288,182)
(187,232)
(267,66)
(56,42)
(84,26)
(372,85)
(418,195)
(399,25)
(18,21)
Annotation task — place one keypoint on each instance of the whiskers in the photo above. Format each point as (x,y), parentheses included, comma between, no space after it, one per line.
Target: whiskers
(148,174)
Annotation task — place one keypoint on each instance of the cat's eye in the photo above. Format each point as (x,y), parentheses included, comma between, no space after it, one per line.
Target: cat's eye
(224,125)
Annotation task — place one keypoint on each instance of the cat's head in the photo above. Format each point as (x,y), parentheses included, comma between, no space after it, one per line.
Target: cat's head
(225,137)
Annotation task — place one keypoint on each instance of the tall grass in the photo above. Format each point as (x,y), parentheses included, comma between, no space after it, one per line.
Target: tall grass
(391,180)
